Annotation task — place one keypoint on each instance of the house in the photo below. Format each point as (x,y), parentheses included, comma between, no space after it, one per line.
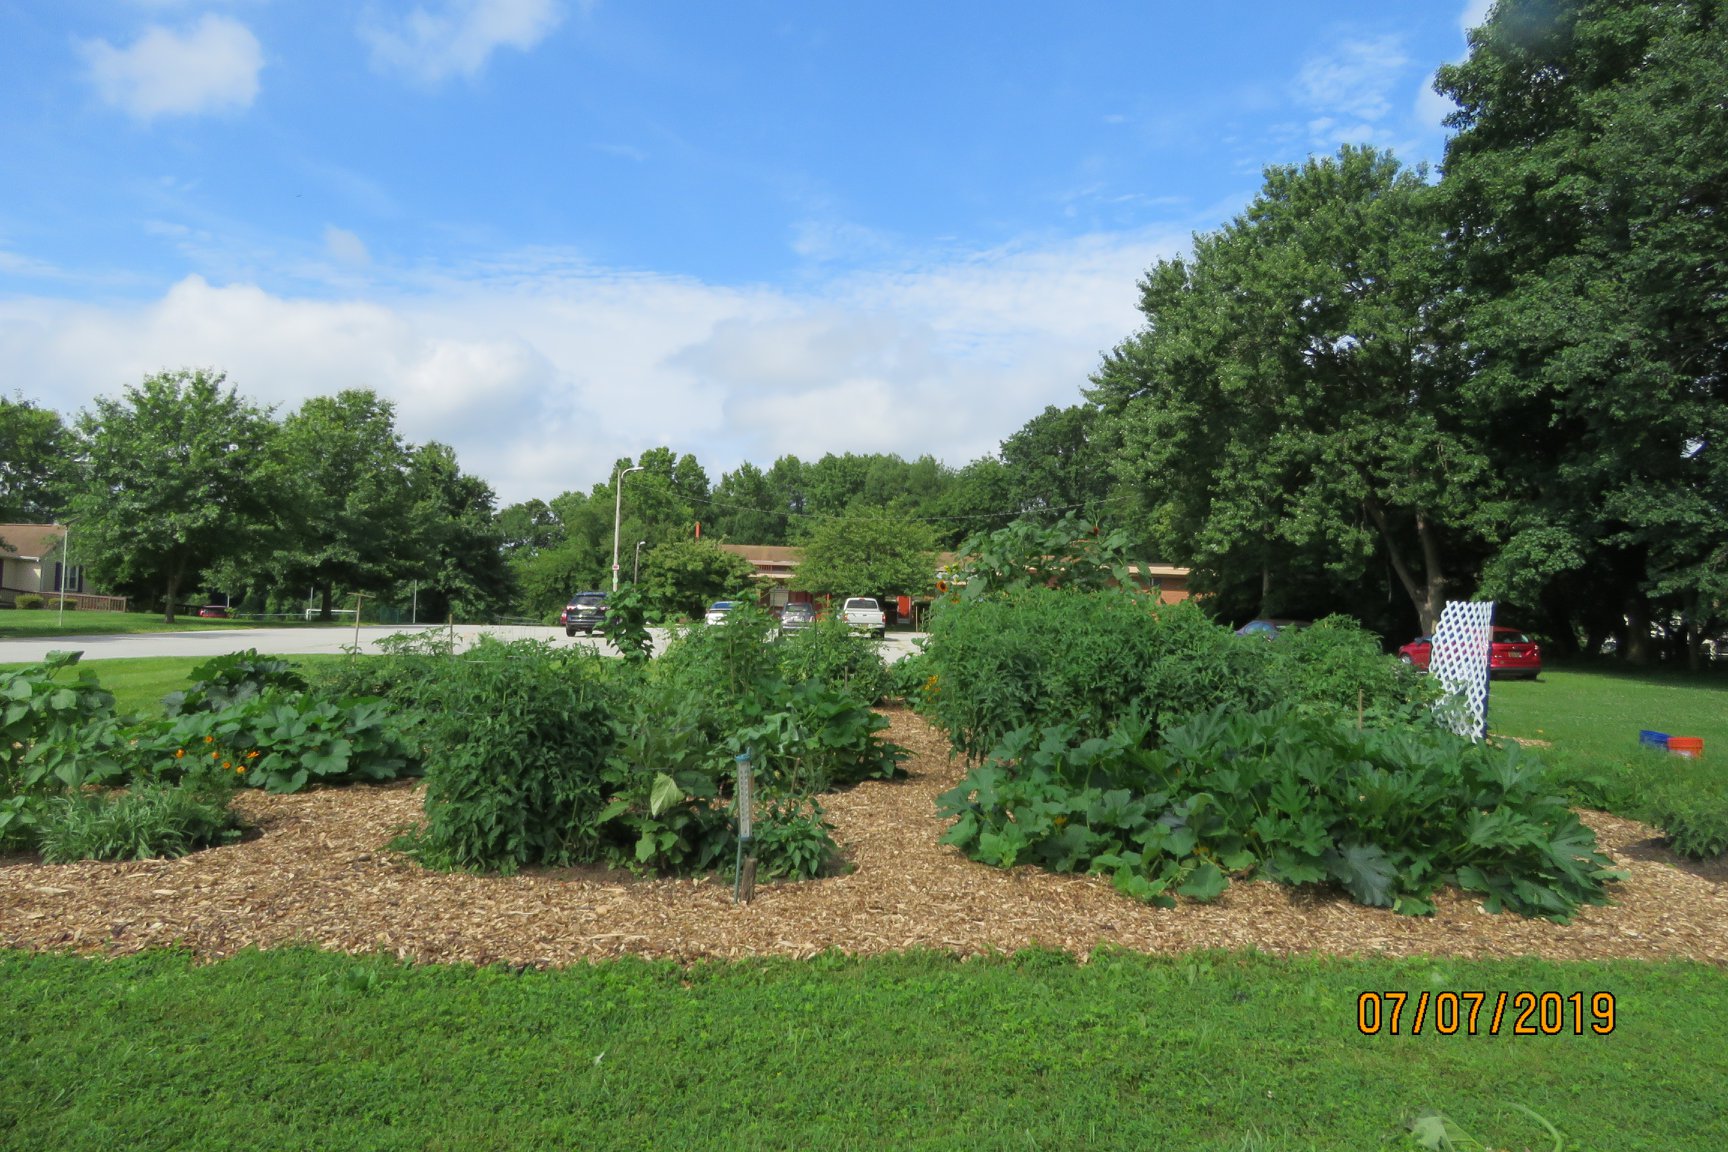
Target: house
(775,565)
(31,561)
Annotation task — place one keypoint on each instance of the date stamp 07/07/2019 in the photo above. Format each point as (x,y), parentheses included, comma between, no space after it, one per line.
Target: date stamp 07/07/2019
(1485,1013)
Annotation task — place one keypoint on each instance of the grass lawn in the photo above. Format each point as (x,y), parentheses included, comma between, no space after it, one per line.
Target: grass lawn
(1593,716)
(139,683)
(44,622)
(1592,719)
(1238,1053)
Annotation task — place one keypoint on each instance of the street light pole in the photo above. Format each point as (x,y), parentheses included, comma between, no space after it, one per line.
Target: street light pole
(617,513)
(636,569)
(65,569)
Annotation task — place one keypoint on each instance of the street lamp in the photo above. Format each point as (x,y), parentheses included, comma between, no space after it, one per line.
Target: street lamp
(617,512)
(636,569)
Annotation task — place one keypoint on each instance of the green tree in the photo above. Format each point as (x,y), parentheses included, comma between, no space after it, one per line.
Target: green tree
(35,458)
(681,577)
(1295,394)
(173,481)
(344,474)
(1587,197)
(747,509)
(460,564)
(1058,462)
(867,554)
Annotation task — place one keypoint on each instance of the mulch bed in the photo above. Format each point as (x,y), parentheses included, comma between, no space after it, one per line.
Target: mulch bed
(317,873)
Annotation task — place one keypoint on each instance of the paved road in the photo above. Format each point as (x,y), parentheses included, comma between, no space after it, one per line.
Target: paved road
(302,641)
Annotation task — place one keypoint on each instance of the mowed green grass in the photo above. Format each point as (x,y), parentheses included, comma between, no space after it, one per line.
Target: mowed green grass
(1229,1052)
(1593,716)
(139,683)
(47,622)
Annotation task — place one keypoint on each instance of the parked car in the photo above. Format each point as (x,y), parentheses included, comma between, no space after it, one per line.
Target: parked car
(863,614)
(717,611)
(1270,629)
(796,618)
(213,612)
(585,613)
(1511,653)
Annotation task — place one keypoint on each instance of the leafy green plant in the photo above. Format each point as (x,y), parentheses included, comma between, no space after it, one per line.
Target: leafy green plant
(627,623)
(148,821)
(519,736)
(794,841)
(1691,808)
(810,738)
(227,680)
(54,734)
(28,600)
(285,741)
(1071,553)
(1036,656)
(665,782)
(829,652)
(1389,816)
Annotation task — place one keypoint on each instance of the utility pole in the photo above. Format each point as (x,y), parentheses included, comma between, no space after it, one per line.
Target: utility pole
(617,514)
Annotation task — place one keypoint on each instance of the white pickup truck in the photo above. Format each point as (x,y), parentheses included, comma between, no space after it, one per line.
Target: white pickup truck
(863,614)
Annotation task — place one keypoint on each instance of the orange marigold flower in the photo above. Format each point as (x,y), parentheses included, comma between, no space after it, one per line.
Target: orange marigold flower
(225,764)
(179,753)
(215,755)
(252,755)
(241,769)
(209,739)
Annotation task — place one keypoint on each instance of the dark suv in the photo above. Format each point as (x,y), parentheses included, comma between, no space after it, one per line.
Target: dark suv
(585,613)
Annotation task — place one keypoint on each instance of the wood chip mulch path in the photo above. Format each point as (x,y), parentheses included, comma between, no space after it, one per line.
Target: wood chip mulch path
(317,873)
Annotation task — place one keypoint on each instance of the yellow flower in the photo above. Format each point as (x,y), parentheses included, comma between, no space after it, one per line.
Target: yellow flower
(241,769)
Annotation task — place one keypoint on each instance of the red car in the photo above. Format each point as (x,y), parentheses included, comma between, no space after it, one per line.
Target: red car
(213,612)
(1511,653)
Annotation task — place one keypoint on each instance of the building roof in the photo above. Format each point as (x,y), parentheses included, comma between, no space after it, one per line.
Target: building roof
(29,541)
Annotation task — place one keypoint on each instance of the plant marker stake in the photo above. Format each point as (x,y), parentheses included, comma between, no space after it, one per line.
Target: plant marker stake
(744,886)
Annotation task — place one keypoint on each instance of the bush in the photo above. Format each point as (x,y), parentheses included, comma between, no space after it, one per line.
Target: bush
(56,603)
(1335,666)
(833,655)
(148,822)
(1038,656)
(1041,656)
(1686,798)
(519,736)
(1387,816)
(28,600)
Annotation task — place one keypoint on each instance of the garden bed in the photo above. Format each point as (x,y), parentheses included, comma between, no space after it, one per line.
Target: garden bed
(317,872)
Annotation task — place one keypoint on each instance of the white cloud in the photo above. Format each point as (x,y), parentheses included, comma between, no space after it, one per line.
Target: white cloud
(1349,89)
(458,37)
(1475,14)
(345,246)
(542,373)
(211,66)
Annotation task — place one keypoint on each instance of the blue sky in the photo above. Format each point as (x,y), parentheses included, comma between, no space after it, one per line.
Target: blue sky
(555,232)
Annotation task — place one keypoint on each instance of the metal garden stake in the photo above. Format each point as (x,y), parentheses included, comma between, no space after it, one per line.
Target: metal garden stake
(744,874)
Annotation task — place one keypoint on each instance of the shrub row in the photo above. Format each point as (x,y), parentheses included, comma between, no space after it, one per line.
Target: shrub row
(1389,816)
(1038,656)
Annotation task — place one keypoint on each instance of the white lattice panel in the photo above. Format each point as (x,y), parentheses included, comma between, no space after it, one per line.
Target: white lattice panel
(1459,660)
